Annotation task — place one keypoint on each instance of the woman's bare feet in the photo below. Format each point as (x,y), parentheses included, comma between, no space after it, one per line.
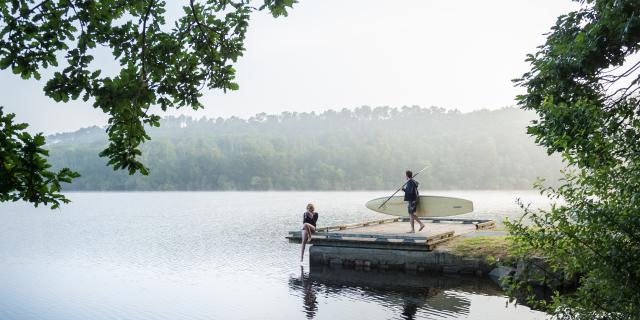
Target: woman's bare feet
(421,227)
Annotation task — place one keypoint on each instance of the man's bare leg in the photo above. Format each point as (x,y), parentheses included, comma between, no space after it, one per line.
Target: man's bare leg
(413,229)
(415,217)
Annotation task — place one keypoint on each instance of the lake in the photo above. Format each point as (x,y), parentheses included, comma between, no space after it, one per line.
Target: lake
(220,255)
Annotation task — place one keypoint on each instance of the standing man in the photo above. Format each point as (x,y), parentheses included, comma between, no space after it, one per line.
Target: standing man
(411,197)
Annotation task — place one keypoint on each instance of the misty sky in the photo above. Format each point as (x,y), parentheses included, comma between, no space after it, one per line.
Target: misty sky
(331,54)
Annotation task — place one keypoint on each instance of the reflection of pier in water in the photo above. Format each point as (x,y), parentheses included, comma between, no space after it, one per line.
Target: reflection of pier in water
(432,294)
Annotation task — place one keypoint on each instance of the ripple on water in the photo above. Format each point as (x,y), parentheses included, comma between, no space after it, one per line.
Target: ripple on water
(207,255)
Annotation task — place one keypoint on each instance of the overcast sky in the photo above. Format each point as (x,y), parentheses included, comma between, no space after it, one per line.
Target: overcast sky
(331,54)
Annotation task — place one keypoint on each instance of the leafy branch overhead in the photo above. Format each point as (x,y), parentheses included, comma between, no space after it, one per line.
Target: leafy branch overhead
(24,171)
(159,65)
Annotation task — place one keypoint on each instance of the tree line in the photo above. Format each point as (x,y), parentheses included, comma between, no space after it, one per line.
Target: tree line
(361,149)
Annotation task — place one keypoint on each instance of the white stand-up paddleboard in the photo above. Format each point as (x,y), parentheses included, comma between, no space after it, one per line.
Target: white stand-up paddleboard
(428,206)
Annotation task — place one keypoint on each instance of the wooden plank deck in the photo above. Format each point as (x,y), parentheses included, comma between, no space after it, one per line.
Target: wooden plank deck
(392,233)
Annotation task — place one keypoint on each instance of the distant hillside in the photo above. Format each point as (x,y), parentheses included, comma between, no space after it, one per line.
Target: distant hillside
(362,149)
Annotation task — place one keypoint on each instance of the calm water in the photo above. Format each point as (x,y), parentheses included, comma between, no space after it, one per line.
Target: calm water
(218,255)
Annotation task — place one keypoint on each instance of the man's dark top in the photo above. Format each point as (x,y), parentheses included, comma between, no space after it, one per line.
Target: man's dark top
(411,190)
(311,221)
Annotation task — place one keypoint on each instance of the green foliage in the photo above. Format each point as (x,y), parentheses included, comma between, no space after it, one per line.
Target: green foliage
(24,171)
(160,65)
(364,149)
(584,86)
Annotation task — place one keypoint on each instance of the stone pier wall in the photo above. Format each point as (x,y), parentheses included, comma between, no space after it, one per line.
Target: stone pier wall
(384,259)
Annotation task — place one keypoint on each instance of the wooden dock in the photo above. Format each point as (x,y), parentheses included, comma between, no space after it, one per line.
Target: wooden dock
(385,243)
(392,233)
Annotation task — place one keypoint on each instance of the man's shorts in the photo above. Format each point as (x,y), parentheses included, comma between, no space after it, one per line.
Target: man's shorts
(412,206)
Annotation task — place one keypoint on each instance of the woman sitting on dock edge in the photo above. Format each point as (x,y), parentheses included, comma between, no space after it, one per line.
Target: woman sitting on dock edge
(309,219)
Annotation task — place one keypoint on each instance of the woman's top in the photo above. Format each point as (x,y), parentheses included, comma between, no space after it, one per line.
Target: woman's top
(310,220)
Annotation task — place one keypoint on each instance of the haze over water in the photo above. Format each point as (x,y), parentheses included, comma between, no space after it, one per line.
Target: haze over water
(219,255)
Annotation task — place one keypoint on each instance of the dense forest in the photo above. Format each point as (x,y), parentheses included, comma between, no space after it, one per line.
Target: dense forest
(362,149)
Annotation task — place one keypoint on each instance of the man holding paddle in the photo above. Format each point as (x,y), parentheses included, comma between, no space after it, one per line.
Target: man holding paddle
(411,197)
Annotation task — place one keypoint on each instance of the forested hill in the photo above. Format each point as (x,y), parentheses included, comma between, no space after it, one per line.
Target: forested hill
(362,149)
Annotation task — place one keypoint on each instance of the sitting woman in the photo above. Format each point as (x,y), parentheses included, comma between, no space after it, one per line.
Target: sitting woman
(309,220)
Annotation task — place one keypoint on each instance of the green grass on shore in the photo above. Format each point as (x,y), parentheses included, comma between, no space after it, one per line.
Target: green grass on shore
(493,249)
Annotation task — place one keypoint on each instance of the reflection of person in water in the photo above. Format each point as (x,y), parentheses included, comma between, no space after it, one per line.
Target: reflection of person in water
(310,301)
(409,310)
(308,288)
(407,295)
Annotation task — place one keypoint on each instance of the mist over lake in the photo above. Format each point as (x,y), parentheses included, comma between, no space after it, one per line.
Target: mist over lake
(362,149)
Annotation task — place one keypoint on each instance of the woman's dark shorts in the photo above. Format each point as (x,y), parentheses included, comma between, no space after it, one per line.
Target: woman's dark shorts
(412,206)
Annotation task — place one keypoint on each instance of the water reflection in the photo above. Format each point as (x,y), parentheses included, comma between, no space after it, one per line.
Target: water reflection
(406,295)
(310,304)
(183,255)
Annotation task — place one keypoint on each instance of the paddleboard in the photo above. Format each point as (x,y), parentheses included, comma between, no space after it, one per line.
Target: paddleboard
(428,206)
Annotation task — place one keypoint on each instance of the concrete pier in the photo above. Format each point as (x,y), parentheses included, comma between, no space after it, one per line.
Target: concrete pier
(384,244)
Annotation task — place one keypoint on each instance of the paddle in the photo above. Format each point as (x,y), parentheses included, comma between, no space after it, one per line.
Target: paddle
(402,186)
